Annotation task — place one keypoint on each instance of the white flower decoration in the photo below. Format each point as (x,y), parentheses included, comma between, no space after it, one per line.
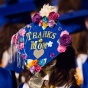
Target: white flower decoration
(47,9)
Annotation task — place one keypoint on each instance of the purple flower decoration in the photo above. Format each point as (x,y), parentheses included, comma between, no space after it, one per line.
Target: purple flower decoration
(36,18)
(65,40)
(51,23)
(52,55)
(24,56)
(32,69)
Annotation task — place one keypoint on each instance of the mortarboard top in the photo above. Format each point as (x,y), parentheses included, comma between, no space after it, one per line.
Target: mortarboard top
(41,41)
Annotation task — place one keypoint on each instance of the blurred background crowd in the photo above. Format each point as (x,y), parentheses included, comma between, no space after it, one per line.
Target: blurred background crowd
(15,14)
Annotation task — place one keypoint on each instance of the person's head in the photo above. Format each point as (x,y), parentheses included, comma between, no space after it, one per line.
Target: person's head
(80,42)
(5,37)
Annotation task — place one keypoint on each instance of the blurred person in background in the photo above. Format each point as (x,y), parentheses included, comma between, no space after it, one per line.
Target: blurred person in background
(80,44)
(68,5)
(5,37)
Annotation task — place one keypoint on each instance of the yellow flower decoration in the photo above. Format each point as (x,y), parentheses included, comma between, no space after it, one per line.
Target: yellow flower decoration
(29,63)
(44,25)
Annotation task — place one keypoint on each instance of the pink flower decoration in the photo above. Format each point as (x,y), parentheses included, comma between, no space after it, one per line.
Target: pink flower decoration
(22,32)
(61,49)
(32,69)
(21,46)
(38,68)
(64,32)
(24,56)
(51,23)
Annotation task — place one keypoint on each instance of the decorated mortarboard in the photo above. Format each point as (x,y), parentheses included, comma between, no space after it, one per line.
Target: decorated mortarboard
(41,41)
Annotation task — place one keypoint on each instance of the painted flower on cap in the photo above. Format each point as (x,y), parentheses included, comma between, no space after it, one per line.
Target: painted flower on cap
(53,16)
(64,32)
(38,68)
(21,46)
(22,32)
(61,49)
(47,9)
(51,23)
(65,40)
(34,62)
(32,69)
(36,18)
(52,55)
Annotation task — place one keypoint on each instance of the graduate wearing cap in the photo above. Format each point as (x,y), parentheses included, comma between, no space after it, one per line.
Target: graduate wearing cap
(39,44)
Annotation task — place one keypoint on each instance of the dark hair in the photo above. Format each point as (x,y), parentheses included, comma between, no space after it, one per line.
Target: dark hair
(5,36)
(65,69)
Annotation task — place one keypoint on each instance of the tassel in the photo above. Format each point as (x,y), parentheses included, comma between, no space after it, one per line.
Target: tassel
(18,60)
(11,53)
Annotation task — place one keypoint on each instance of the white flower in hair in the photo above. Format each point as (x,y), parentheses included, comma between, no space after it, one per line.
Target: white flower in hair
(47,9)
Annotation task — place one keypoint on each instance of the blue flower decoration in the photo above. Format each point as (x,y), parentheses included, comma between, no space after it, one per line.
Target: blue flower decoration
(45,19)
(42,62)
(21,39)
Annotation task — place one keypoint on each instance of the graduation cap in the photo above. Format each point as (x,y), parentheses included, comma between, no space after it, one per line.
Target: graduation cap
(41,41)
